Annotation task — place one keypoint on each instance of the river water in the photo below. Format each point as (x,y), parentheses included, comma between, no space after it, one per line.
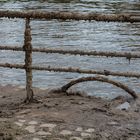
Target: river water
(83,35)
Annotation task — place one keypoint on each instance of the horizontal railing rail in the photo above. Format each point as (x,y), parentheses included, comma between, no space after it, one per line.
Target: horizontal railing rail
(128,55)
(73,70)
(72,16)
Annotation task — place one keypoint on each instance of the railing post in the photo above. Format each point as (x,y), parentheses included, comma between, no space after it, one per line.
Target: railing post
(28,60)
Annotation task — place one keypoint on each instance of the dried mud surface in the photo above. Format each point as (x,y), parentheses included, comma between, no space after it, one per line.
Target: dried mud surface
(61,117)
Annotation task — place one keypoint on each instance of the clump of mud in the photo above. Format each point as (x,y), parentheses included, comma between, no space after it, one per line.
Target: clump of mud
(9,131)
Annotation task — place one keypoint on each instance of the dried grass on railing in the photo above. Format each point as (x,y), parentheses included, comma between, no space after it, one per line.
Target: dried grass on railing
(71,16)
(74,70)
(128,55)
(101,79)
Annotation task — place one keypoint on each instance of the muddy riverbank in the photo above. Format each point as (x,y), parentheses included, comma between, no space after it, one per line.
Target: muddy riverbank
(60,117)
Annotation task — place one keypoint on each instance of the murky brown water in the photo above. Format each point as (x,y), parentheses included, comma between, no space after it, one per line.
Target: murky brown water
(81,35)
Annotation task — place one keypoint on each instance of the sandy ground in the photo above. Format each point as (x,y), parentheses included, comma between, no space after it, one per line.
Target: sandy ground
(62,117)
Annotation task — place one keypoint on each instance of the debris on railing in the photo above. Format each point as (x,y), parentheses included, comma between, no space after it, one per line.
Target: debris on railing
(71,16)
(128,55)
(28,60)
(74,70)
(101,79)
(16,66)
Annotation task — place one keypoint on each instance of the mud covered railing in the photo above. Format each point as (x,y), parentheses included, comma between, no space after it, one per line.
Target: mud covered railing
(128,55)
(73,70)
(72,16)
(27,48)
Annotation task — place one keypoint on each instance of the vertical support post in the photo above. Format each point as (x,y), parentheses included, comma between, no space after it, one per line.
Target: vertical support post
(28,60)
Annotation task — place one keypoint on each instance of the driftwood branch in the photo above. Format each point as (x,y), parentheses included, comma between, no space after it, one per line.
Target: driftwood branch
(101,79)
(128,55)
(71,16)
(74,70)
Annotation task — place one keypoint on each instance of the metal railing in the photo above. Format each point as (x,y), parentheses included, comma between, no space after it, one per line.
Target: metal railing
(27,48)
